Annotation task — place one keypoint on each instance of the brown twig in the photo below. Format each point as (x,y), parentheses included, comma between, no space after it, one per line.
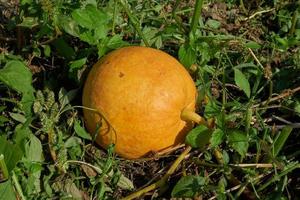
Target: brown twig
(162,182)
(286,93)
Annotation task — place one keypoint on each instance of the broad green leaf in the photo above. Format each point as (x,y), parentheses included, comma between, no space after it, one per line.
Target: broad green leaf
(90,17)
(100,32)
(80,131)
(281,139)
(116,42)
(188,186)
(29,22)
(216,138)
(12,153)
(69,25)
(241,81)
(199,137)
(63,48)
(187,55)
(87,36)
(239,141)
(18,77)
(7,191)
(33,149)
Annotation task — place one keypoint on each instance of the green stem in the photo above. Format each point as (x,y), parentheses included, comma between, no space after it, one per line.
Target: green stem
(294,22)
(196,16)
(277,177)
(3,169)
(134,22)
(18,186)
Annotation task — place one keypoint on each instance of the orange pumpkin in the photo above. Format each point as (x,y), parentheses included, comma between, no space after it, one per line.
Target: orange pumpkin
(142,97)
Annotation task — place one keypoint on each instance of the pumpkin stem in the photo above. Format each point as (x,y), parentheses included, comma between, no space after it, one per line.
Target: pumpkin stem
(190,115)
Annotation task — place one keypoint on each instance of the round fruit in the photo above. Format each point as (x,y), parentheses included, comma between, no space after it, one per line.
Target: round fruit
(142,97)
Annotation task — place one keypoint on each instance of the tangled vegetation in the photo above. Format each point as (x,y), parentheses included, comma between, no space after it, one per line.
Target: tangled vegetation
(244,57)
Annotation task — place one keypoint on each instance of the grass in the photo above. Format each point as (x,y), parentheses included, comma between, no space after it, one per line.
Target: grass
(243,56)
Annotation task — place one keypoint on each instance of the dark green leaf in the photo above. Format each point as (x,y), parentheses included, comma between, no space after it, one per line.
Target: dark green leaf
(187,55)
(239,141)
(217,137)
(63,48)
(199,137)
(12,153)
(188,186)
(241,81)
(18,77)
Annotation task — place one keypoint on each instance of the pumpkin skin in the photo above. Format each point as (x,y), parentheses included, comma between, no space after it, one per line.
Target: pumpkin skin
(140,93)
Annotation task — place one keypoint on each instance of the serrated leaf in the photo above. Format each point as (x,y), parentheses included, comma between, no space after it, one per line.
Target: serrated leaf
(242,82)
(188,186)
(80,131)
(239,141)
(199,137)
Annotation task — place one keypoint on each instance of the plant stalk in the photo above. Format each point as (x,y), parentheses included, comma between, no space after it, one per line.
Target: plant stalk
(196,16)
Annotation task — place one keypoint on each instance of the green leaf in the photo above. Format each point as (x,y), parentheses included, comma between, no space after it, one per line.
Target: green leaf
(281,139)
(69,25)
(216,138)
(214,24)
(239,141)
(116,42)
(187,55)
(12,153)
(63,48)
(252,45)
(188,186)
(29,22)
(77,64)
(90,17)
(80,131)
(33,149)
(7,191)
(241,81)
(199,137)
(18,77)
(100,32)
